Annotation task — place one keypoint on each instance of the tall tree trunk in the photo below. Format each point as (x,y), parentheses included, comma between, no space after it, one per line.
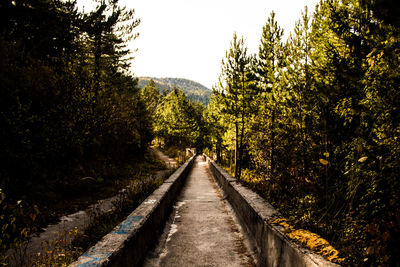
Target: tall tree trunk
(302,135)
(97,56)
(302,122)
(242,127)
(218,151)
(272,153)
(237,162)
(240,156)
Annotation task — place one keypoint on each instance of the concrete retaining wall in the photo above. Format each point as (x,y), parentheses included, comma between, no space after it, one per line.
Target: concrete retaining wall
(129,242)
(254,213)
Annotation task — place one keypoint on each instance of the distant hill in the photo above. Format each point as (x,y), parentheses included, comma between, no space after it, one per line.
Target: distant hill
(193,90)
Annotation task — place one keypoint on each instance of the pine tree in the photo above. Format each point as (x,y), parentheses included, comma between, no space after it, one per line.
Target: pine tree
(298,79)
(110,27)
(267,70)
(151,95)
(236,92)
(177,121)
(216,124)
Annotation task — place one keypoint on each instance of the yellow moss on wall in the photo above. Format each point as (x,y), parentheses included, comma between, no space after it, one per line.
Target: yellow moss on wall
(310,240)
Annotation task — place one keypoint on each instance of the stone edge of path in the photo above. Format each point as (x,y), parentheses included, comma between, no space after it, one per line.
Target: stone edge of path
(255,214)
(129,241)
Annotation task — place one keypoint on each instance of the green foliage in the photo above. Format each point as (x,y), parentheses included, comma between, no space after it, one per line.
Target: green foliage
(103,223)
(270,97)
(69,107)
(235,91)
(17,221)
(323,143)
(59,252)
(179,122)
(217,126)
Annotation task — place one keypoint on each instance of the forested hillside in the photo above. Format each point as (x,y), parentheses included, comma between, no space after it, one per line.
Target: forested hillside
(193,90)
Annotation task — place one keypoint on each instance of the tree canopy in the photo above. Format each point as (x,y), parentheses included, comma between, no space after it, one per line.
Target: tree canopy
(69,106)
(321,139)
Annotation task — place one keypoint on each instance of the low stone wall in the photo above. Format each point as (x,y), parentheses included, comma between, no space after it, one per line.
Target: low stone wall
(129,242)
(255,214)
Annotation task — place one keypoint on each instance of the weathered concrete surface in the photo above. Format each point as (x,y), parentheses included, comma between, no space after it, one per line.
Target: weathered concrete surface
(79,220)
(202,230)
(40,242)
(128,243)
(255,214)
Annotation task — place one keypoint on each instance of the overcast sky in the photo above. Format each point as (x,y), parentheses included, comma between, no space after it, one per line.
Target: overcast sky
(188,38)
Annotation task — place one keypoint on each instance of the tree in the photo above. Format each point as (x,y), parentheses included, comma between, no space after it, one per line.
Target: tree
(298,78)
(236,92)
(324,140)
(52,131)
(217,125)
(25,24)
(151,95)
(177,120)
(268,74)
(110,27)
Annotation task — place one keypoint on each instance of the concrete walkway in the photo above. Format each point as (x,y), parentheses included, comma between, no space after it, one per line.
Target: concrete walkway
(202,230)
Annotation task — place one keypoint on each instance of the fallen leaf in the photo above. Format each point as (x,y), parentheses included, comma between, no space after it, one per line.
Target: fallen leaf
(323,161)
(361,160)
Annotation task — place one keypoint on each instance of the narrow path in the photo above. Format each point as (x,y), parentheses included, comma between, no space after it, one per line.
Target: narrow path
(171,163)
(79,220)
(202,230)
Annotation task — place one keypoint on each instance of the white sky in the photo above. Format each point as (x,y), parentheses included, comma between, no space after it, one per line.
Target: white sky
(188,38)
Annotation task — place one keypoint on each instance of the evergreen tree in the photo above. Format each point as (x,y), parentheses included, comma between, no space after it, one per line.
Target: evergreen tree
(324,138)
(216,124)
(151,96)
(52,131)
(298,79)
(237,95)
(267,71)
(176,121)
(110,27)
